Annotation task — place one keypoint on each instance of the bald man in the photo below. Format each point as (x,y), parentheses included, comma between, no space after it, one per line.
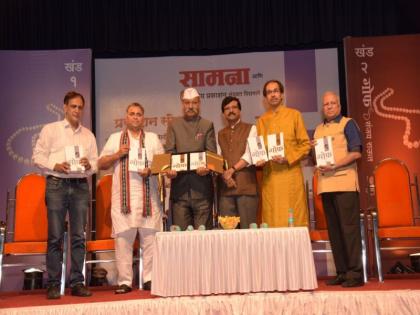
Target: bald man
(339,188)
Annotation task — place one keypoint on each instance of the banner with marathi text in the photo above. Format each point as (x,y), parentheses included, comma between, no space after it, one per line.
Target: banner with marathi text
(383,96)
(32,86)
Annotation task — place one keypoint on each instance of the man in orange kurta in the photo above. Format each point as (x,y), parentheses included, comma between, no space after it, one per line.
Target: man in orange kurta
(283,186)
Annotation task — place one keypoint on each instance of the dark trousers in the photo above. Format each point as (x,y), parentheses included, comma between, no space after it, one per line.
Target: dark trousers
(342,211)
(244,206)
(64,195)
(193,212)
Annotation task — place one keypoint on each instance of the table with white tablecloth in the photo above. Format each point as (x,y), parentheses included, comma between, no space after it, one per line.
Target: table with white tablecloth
(233,261)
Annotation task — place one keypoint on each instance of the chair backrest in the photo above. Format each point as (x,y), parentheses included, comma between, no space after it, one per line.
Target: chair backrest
(30,210)
(103,208)
(320,221)
(393,194)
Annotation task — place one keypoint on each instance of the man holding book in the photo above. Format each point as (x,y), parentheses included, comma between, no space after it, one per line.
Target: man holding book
(67,153)
(283,191)
(339,188)
(135,204)
(239,186)
(191,191)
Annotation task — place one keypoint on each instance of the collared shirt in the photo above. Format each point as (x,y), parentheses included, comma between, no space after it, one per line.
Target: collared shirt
(50,148)
(352,134)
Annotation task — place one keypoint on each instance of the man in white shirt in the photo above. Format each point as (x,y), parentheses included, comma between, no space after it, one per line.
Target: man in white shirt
(238,193)
(135,204)
(67,190)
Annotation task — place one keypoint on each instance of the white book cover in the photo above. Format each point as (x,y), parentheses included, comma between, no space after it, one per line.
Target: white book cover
(257,149)
(73,155)
(275,145)
(197,159)
(179,162)
(136,159)
(324,151)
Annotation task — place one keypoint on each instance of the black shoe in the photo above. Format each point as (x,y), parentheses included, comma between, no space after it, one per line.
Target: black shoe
(80,290)
(351,283)
(53,292)
(122,289)
(147,286)
(341,278)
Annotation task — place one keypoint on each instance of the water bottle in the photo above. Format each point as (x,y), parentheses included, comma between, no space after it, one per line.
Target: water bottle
(290,218)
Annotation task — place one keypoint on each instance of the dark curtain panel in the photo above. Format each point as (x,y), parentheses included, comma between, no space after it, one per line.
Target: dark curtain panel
(183,26)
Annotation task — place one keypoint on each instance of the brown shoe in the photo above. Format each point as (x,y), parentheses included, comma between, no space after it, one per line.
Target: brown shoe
(80,290)
(122,289)
(53,292)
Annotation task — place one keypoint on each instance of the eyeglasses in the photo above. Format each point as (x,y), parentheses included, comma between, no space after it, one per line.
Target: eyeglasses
(268,92)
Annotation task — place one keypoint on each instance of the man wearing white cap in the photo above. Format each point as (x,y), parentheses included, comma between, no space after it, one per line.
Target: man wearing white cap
(191,192)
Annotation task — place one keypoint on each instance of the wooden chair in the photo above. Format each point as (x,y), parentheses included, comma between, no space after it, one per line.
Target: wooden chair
(320,233)
(393,218)
(30,225)
(103,242)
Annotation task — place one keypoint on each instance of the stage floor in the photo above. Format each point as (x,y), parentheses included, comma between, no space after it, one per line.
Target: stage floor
(13,301)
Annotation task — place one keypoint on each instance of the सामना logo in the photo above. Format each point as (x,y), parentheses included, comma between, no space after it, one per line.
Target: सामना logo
(55,110)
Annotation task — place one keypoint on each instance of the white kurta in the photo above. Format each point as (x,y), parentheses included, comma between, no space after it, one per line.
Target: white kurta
(123,222)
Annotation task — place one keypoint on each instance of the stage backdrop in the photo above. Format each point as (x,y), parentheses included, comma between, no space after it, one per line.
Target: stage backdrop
(32,86)
(383,96)
(156,83)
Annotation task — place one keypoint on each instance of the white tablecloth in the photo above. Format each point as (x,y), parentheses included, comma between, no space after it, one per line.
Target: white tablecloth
(233,261)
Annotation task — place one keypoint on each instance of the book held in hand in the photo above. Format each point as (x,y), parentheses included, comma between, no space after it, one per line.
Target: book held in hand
(324,151)
(197,159)
(136,159)
(257,149)
(179,162)
(73,155)
(275,144)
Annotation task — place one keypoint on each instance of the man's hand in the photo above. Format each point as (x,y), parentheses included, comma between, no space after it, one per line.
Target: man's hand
(327,168)
(171,174)
(202,171)
(231,183)
(280,160)
(85,162)
(145,172)
(228,174)
(123,151)
(62,167)
(260,163)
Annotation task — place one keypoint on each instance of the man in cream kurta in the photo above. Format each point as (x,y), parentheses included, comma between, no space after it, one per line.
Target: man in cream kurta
(283,185)
(126,225)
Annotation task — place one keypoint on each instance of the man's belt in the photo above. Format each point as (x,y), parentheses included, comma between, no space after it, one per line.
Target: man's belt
(68,180)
